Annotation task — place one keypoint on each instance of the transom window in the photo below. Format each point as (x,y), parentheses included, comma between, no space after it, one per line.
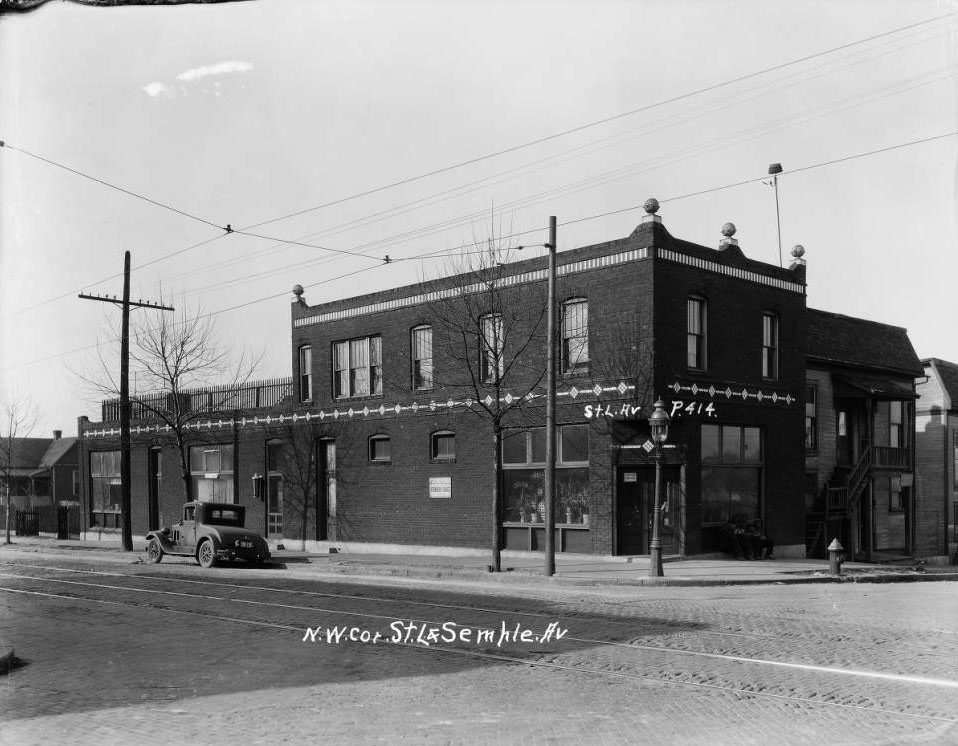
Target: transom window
(421,344)
(696,326)
(379,448)
(357,367)
(575,334)
(443,446)
(769,345)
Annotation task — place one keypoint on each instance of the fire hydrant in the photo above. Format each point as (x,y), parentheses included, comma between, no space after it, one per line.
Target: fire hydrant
(836,555)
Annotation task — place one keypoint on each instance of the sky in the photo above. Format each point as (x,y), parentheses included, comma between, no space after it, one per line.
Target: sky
(340,132)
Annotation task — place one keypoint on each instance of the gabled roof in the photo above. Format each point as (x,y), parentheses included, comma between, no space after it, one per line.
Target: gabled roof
(27,453)
(948,375)
(860,343)
(58,448)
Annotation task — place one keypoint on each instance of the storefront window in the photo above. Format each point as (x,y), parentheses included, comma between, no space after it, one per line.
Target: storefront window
(523,455)
(105,489)
(211,469)
(731,484)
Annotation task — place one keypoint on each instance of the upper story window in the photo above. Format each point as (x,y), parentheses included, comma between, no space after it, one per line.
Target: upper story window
(305,373)
(811,417)
(492,363)
(575,334)
(379,448)
(896,427)
(697,329)
(442,446)
(769,345)
(357,367)
(421,356)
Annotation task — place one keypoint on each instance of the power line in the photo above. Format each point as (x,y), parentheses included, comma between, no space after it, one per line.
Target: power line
(435,254)
(598,122)
(107,184)
(228,229)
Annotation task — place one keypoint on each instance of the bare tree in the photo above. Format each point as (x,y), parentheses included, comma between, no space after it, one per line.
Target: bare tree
(19,419)
(491,333)
(171,357)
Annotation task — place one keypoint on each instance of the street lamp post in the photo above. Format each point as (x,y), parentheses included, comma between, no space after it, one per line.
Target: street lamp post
(659,422)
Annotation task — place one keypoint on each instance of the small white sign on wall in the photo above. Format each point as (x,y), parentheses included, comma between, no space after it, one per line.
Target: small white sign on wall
(440,487)
(631,476)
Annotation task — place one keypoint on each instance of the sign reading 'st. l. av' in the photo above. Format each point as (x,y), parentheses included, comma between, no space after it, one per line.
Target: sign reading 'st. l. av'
(676,408)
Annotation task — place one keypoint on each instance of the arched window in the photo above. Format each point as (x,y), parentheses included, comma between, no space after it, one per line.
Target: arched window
(379,448)
(575,334)
(306,373)
(442,446)
(421,357)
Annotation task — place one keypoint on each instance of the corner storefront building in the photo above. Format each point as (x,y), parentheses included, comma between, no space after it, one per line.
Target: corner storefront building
(384,435)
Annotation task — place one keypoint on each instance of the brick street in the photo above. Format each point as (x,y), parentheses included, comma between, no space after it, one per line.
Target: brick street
(116,652)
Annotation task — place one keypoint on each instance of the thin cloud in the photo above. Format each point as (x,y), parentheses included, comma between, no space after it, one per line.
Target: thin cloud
(156,88)
(220,68)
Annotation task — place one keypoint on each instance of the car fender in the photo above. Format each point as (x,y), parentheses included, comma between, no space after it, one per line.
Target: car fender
(164,542)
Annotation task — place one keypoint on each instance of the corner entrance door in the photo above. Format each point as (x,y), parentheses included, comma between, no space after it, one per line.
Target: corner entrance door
(636,499)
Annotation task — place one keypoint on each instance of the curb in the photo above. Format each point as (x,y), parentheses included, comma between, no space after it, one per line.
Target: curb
(521,575)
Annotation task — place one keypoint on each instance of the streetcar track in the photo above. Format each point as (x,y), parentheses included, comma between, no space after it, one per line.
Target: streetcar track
(515,659)
(904,678)
(431,604)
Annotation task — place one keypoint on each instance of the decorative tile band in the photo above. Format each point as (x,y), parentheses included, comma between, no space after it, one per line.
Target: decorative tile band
(352,413)
(729,393)
(741,274)
(508,281)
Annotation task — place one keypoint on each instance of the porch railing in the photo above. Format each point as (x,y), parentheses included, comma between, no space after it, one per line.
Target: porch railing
(896,458)
(254,395)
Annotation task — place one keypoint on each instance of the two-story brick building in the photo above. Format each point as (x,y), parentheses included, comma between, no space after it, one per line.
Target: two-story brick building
(385,435)
(395,395)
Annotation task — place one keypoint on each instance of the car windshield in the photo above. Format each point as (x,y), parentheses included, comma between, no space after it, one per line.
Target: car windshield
(225,516)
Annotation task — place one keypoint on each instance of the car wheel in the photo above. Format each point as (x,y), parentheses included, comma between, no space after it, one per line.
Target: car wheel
(154,553)
(206,554)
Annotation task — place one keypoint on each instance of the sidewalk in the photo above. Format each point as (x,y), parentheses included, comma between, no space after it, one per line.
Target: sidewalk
(574,569)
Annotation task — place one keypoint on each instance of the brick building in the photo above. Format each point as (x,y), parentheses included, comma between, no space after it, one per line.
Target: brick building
(386,434)
(936,465)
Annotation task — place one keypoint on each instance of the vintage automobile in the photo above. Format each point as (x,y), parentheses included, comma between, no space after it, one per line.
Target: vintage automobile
(209,532)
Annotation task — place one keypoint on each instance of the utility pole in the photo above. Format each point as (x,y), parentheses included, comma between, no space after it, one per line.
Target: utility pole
(125,303)
(550,475)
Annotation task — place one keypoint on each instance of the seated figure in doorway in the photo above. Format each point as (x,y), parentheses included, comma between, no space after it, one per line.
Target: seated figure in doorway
(733,540)
(758,545)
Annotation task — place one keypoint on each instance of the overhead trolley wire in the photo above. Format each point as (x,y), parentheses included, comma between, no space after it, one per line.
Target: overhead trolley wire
(228,228)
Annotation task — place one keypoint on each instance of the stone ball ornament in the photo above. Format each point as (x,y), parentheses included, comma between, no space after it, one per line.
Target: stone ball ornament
(798,251)
(651,206)
(298,291)
(728,230)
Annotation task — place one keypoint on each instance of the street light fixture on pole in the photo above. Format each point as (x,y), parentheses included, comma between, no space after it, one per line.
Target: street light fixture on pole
(659,422)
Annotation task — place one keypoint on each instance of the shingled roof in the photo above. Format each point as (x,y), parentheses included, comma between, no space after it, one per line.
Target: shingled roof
(860,343)
(948,375)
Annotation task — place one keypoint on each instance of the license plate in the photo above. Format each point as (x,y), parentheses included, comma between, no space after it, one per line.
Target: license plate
(245,544)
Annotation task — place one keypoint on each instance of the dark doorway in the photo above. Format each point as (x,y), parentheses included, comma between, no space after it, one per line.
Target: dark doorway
(153,491)
(636,491)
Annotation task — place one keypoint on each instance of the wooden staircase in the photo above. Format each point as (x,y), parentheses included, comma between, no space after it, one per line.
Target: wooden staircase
(839,496)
